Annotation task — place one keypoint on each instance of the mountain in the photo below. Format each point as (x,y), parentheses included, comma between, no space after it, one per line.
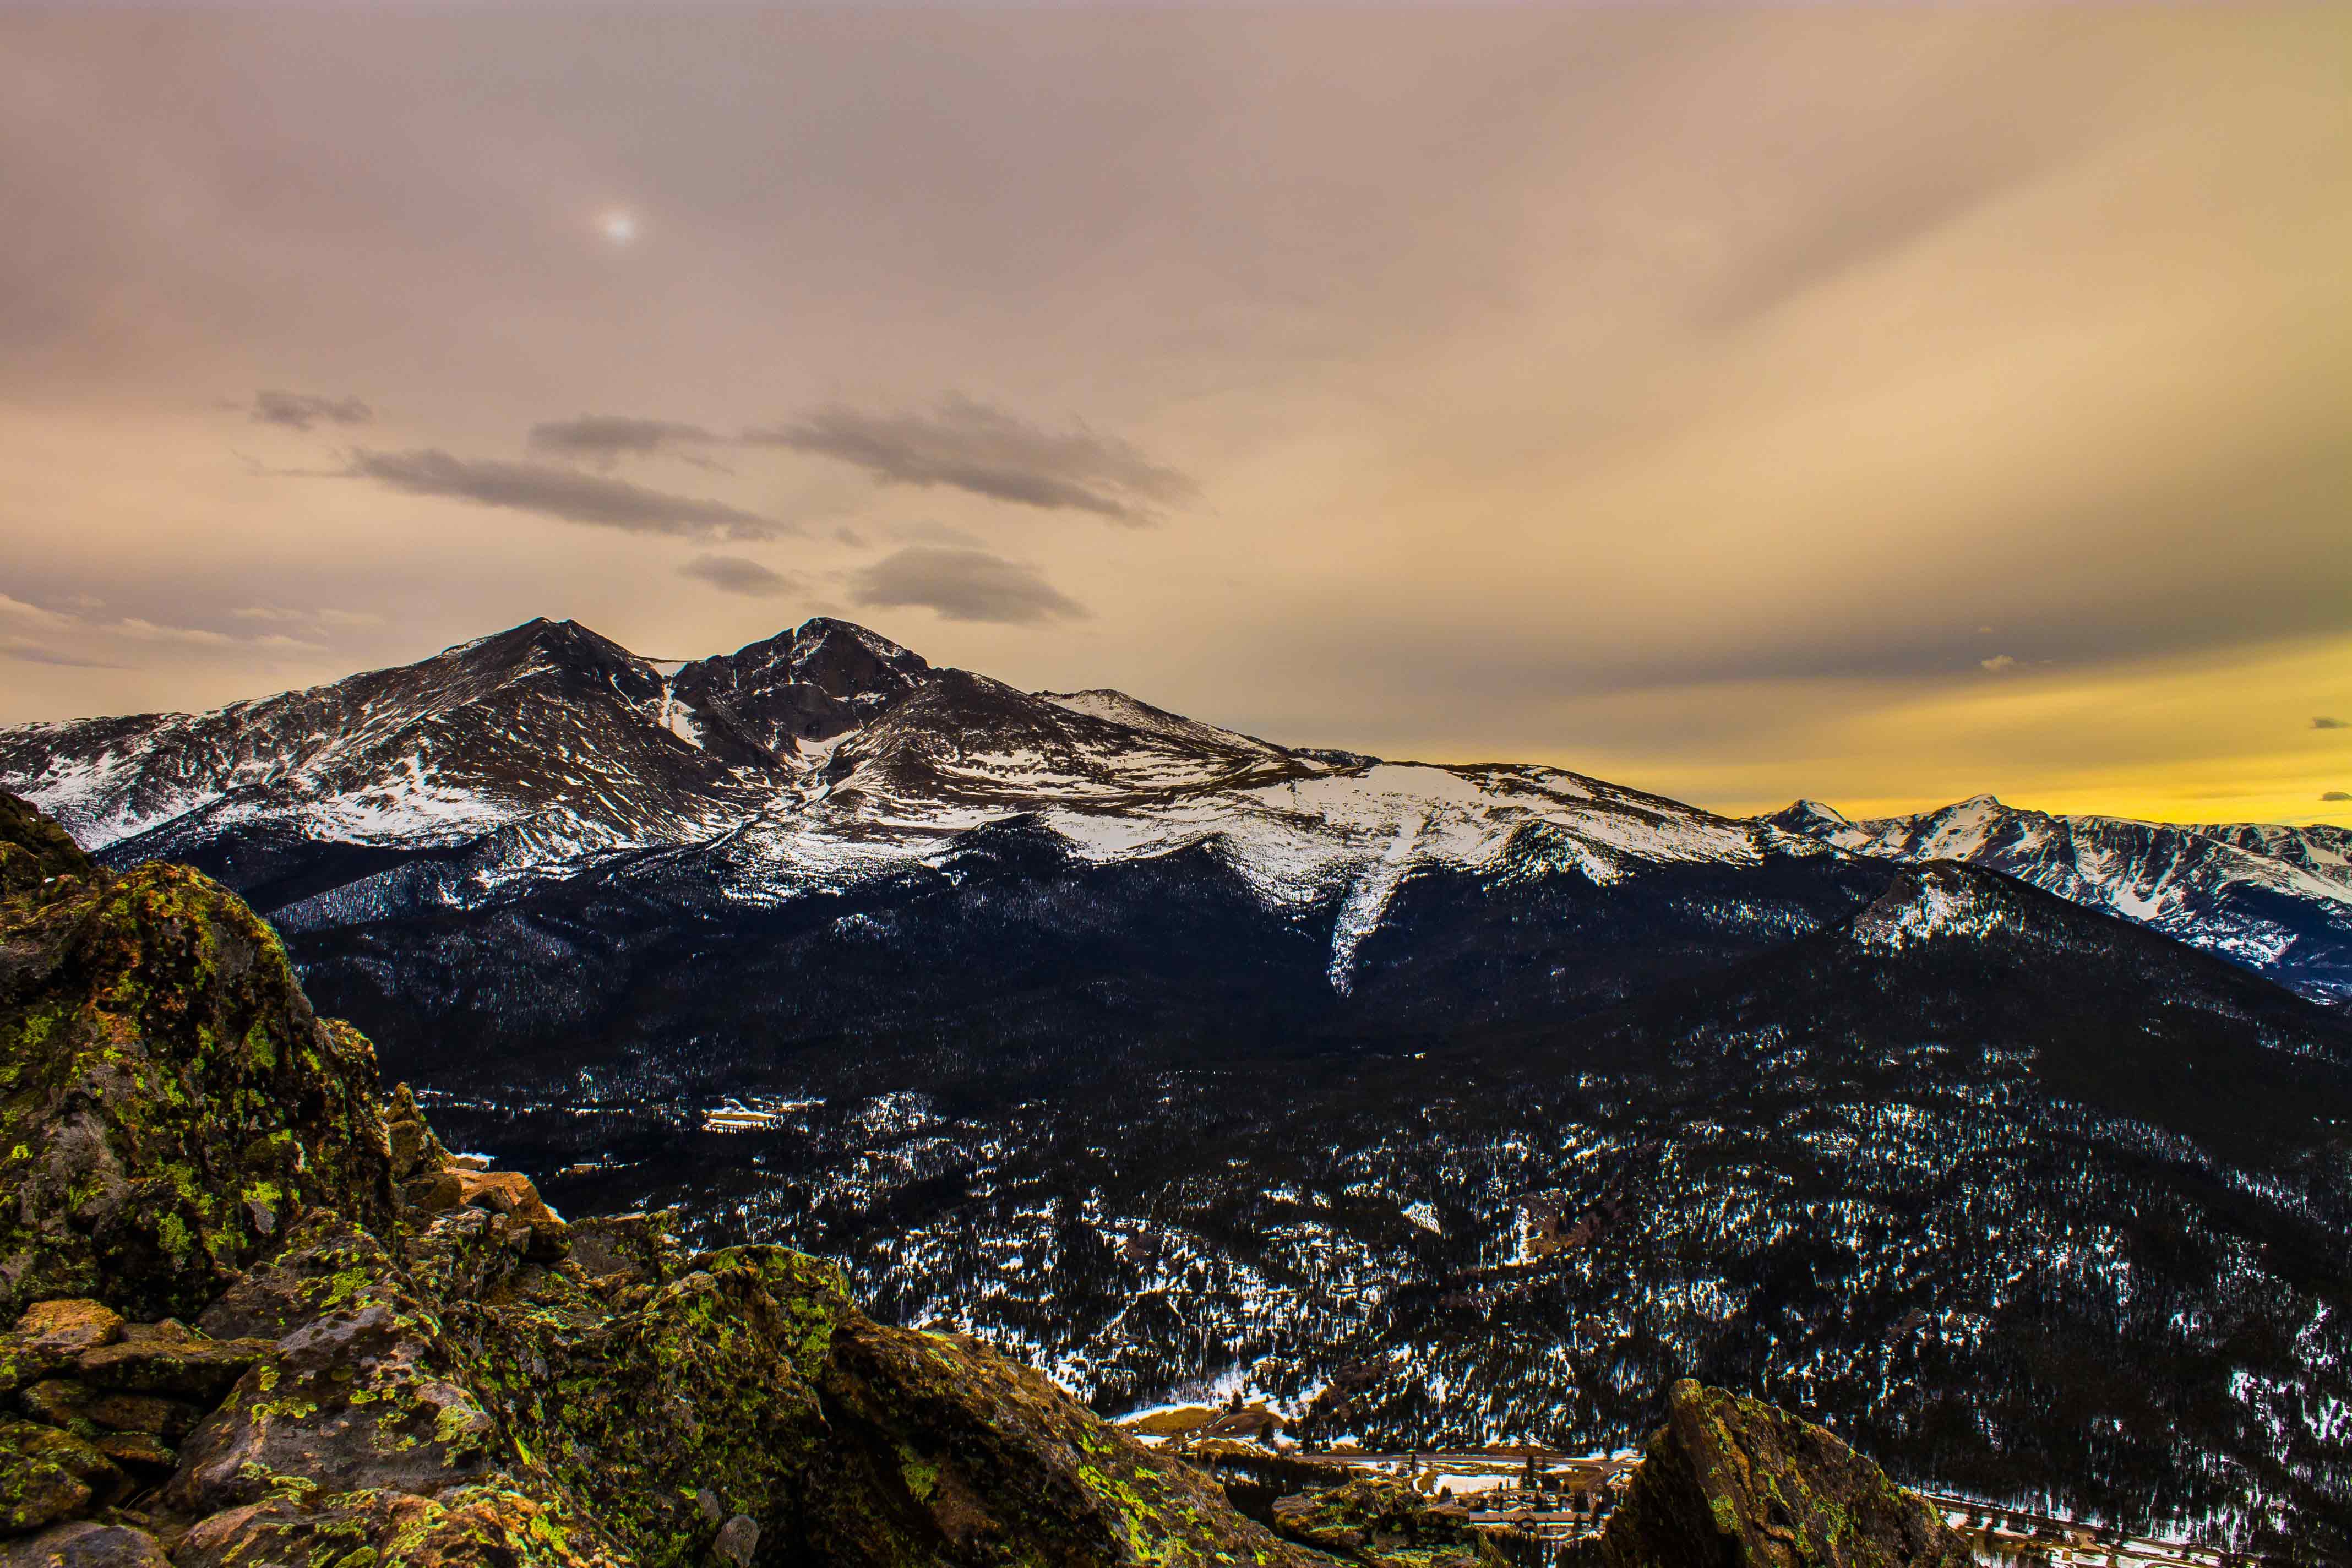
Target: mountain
(2276,900)
(828,762)
(1435,1103)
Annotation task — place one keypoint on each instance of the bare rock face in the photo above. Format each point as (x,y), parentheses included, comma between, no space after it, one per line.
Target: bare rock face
(1732,1482)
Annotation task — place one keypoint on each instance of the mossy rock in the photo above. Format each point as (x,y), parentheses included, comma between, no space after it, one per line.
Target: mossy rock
(169,1104)
(1732,1481)
(491,1522)
(34,852)
(85,1544)
(47,1475)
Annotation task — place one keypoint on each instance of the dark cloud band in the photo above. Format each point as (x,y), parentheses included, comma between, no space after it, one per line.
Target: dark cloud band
(301,410)
(740,575)
(566,495)
(603,437)
(970,446)
(963,585)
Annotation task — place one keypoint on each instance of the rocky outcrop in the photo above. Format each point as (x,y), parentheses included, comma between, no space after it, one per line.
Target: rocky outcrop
(261,1316)
(1731,1482)
(168,1102)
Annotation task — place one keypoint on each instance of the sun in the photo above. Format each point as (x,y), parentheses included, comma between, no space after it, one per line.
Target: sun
(617,226)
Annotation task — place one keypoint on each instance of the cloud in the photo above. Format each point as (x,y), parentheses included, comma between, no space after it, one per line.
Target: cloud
(969,445)
(37,614)
(2337,794)
(2330,724)
(1996,663)
(25,650)
(963,585)
(317,622)
(204,636)
(740,575)
(301,410)
(133,628)
(602,437)
(925,532)
(564,494)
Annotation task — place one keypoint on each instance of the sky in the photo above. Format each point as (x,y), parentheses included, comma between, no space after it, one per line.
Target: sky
(1879,406)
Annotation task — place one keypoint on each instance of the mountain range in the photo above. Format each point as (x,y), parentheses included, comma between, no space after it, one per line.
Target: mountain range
(1434,1102)
(2277,900)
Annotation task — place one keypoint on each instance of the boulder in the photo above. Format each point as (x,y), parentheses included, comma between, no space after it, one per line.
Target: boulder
(328,1264)
(47,1337)
(85,1544)
(47,1475)
(168,1101)
(71,1327)
(1732,1481)
(35,854)
(513,1194)
(365,1398)
(843,1441)
(627,1249)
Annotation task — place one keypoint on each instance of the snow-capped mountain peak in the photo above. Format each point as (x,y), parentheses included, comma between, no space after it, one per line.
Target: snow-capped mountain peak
(821,758)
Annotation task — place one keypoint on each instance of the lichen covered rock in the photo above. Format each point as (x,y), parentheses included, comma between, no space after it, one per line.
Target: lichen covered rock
(1732,1481)
(85,1544)
(168,1102)
(47,1475)
(34,852)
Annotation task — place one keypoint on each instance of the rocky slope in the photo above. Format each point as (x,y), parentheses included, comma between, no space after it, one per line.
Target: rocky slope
(2276,900)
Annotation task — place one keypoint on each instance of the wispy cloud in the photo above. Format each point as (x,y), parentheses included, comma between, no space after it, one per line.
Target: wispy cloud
(65,635)
(301,410)
(2330,724)
(280,614)
(2337,794)
(28,650)
(1997,664)
(565,495)
(972,447)
(963,585)
(602,437)
(740,575)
